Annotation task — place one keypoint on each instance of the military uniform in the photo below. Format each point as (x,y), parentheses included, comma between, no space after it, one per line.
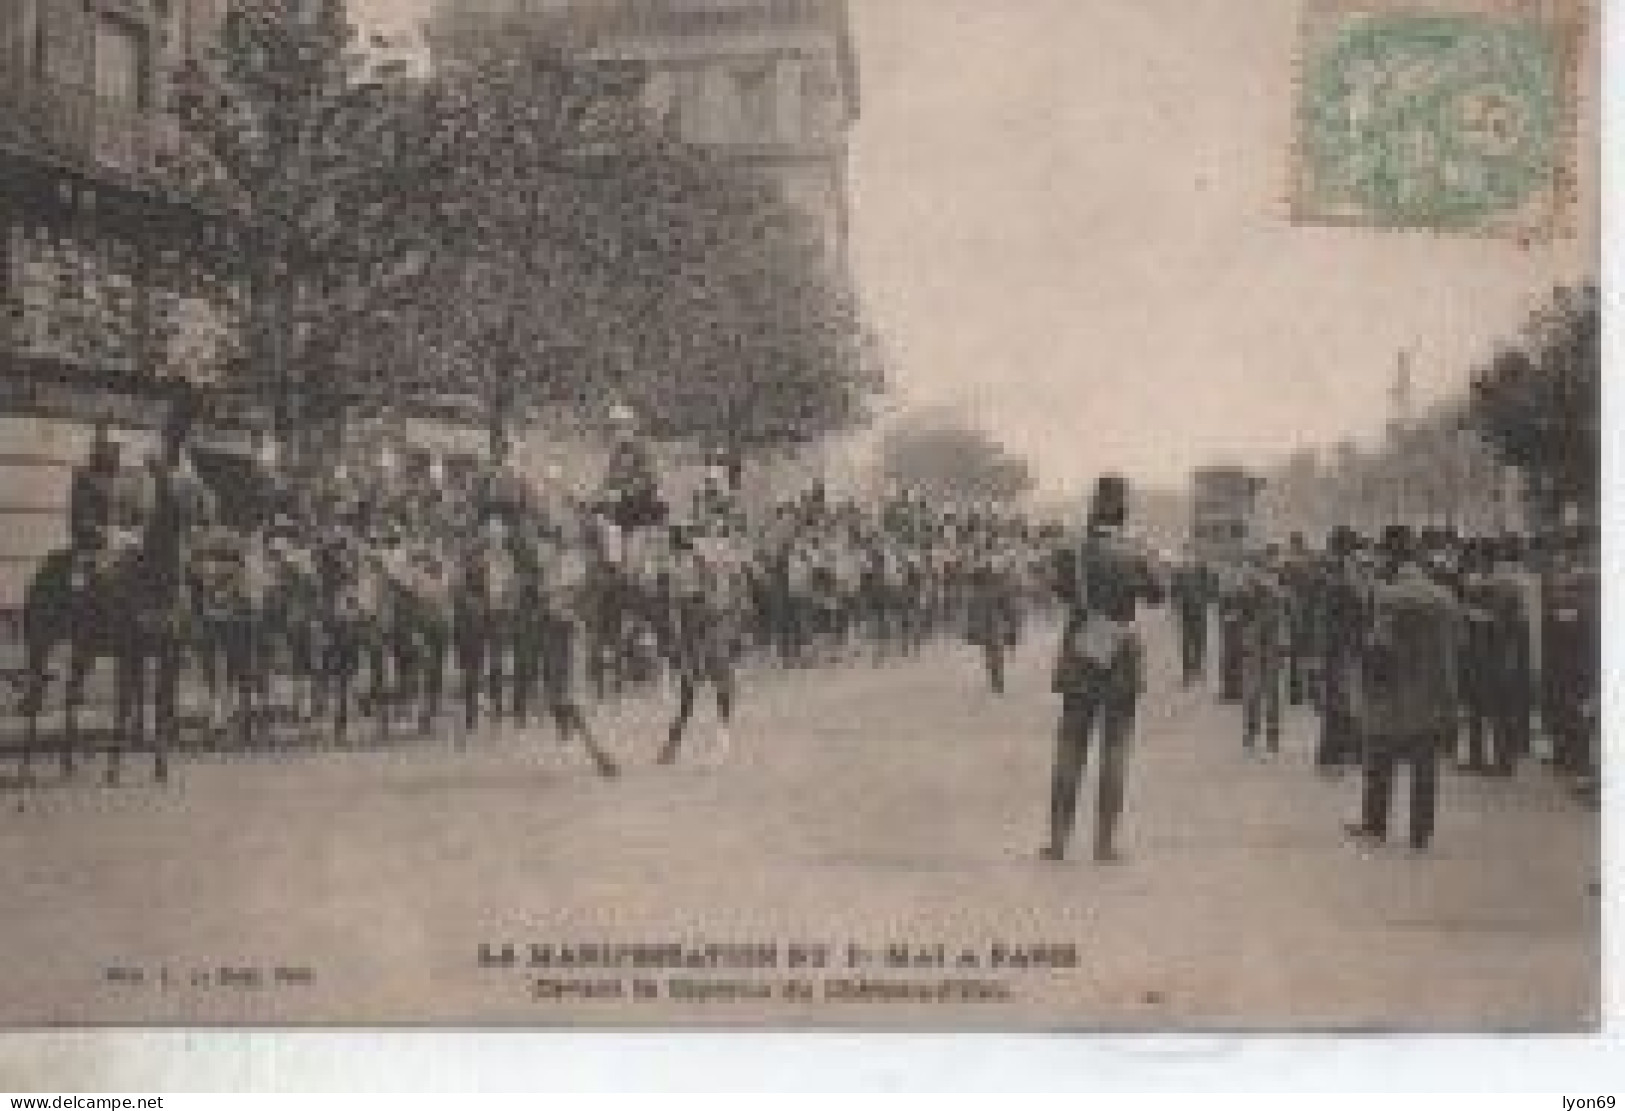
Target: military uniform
(1099,673)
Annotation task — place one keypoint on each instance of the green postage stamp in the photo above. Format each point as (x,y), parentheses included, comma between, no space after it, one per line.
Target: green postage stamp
(1445,117)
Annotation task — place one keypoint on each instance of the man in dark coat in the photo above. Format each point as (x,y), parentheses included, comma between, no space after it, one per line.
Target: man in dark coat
(1341,618)
(1409,689)
(1571,648)
(1192,589)
(1299,578)
(1099,669)
(1264,637)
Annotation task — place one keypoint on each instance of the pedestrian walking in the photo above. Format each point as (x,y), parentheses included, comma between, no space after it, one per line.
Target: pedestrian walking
(1192,590)
(1409,697)
(1262,608)
(1342,617)
(990,611)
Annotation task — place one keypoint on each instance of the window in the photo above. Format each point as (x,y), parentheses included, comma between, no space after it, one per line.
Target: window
(120,64)
(756,101)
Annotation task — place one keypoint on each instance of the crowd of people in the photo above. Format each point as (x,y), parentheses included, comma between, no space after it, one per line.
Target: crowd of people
(1415,649)
(1412,648)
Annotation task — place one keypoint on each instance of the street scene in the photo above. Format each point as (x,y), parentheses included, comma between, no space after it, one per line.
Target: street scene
(684,511)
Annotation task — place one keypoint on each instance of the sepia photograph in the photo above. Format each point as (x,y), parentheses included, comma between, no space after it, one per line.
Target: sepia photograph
(937,515)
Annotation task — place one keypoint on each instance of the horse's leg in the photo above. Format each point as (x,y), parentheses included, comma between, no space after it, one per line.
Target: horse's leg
(685,710)
(433,670)
(344,663)
(239,681)
(129,677)
(495,648)
(166,703)
(407,669)
(80,660)
(38,683)
(377,663)
(470,667)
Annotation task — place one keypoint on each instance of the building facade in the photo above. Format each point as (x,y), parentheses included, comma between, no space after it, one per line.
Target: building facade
(113,279)
(769,83)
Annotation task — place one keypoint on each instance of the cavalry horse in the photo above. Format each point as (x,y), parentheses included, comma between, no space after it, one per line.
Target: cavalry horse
(621,605)
(126,600)
(356,631)
(255,612)
(494,623)
(90,604)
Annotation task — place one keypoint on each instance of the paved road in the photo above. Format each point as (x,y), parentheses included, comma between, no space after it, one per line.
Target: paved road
(859,807)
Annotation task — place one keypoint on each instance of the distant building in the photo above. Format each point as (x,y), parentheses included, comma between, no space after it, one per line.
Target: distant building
(1224,513)
(771,83)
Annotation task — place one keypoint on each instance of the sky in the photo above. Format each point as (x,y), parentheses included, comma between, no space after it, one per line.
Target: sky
(1071,223)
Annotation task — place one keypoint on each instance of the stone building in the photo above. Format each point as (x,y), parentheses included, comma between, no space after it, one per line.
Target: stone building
(111,275)
(771,83)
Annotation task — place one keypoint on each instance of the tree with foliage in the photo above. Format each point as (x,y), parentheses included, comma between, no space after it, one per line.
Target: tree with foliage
(296,118)
(1539,403)
(510,229)
(939,456)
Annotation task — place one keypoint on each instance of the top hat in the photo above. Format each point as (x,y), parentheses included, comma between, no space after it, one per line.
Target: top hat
(1342,541)
(1109,505)
(1398,544)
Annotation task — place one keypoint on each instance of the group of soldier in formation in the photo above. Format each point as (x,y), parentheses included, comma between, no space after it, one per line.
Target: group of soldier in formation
(349,589)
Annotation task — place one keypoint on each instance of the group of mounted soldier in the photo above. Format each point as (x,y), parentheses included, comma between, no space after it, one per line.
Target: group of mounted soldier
(336,595)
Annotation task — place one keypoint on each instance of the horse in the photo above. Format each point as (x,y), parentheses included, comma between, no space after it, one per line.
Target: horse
(82,601)
(356,629)
(122,602)
(706,597)
(620,605)
(494,602)
(255,602)
(423,623)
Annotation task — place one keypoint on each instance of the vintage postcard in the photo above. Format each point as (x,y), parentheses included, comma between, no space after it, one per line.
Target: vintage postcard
(1058,515)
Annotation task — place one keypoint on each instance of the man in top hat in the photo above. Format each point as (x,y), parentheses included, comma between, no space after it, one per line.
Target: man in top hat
(1099,669)
(1409,697)
(1571,648)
